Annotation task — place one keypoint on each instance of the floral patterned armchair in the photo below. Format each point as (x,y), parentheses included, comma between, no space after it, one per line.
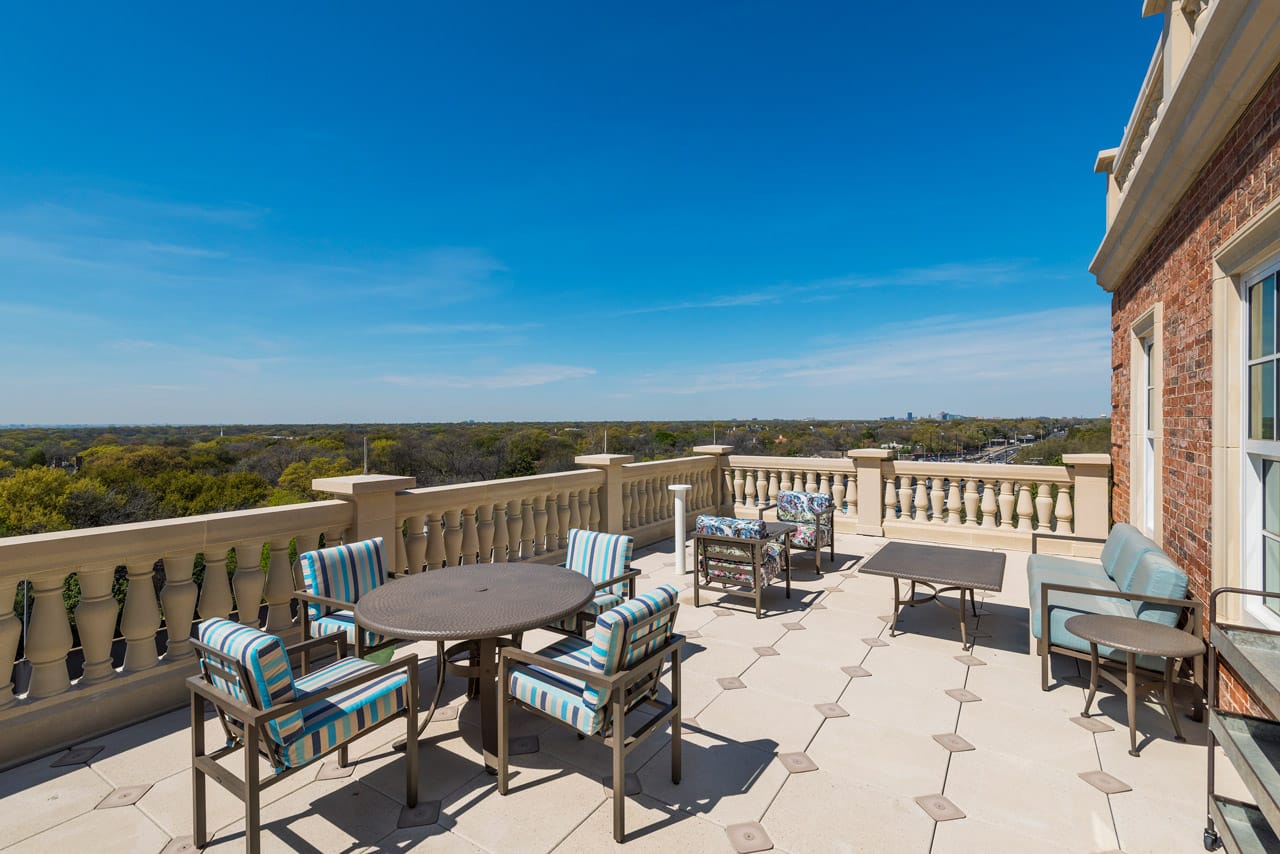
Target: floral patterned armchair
(738,553)
(813,515)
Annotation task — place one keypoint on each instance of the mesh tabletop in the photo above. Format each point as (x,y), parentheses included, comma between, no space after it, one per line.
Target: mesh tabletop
(938,565)
(1129,634)
(479,601)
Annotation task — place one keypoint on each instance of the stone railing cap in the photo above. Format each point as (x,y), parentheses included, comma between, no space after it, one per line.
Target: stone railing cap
(1086,459)
(712,449)
(363,484)
(870,454)
(604,459)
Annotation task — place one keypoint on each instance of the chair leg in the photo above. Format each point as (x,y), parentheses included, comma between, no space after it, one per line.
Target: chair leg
(1044,670)
(676,760)
(504,739)
(619,768)
(343,757)
(199,823)
(411,739)
(252,796)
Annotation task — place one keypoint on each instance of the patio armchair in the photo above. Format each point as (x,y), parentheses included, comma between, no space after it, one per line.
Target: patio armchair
(813,514)
(606,560)
(245,674)
(333,581)
(738,553)
(592,685)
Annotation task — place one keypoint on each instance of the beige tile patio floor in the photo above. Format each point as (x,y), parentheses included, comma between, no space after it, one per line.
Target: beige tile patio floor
(1019,787)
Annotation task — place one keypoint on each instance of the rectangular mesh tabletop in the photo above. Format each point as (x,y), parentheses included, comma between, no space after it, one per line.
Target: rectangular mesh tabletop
(938,565)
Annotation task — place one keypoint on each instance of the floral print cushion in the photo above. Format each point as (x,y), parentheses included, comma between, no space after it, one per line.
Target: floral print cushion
(802,506)
(727,526)
(717,566)
(810,536)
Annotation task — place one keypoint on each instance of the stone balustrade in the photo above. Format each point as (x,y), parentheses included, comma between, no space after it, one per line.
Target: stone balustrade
(106,665)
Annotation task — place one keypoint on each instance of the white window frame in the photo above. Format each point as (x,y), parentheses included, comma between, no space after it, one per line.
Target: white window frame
(1148,345)
(1253,453)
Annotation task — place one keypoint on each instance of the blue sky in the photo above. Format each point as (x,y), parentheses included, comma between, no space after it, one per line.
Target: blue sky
(511,211)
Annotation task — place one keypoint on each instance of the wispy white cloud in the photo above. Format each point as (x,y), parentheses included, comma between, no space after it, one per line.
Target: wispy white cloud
(453,328)
(517,377)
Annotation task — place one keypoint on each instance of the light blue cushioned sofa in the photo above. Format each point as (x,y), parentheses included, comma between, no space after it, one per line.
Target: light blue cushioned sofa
(1133,578)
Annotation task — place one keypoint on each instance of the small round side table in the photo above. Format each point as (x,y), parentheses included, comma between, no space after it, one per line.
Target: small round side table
(1134,637)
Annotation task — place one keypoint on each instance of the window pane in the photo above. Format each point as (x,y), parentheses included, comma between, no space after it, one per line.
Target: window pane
(1255,320)
(1269,315)
(1271,496)
(1151,409)
(1262,401)
(1271,570)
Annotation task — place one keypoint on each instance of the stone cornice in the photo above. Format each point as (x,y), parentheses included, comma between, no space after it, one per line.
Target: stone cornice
(1220,78)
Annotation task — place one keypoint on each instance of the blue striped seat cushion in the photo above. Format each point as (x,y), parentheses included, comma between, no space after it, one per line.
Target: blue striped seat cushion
(267,664)
(554,693)
(342,622)
(602,602)
(599,556)
(333,719)
(343,572)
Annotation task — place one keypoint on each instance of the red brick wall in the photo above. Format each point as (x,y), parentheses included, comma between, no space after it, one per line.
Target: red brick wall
(1241,178)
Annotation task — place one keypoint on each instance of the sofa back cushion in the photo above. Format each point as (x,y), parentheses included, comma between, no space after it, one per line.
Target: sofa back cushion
(1120,555)
(1156,575)
(727,526)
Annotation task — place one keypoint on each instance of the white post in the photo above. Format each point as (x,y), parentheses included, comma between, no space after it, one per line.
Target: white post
(679,491)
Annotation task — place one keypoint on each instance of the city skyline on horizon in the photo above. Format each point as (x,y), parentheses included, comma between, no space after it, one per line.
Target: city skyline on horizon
(739,204)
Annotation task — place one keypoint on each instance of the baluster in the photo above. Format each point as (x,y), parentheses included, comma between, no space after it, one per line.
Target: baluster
(247,582)
(772,489)
(501,533)
(810,481)
(890,500)
(664,495)
(749,491)
(1006,504)
(562,514)
(971,502)
(279,589)
(575,509)
(10,634)
(737,491)
(140,619)
(953,501)
(48,639)
(1044,507)
(539,505)
(904,495)
(484,533)
(593,508)
(401,557)
(989,507)
(1026,507)
(762,486)
(628,507)
(415,545)
(935,500)
(96,620)
(1064,511)
(470,539)
(452,537)
(824,484)
(515,527)
(922,501)
(553,524)
(838,493)
(527,531)
(178,598)
(435,540)
(650,501)
(215,591)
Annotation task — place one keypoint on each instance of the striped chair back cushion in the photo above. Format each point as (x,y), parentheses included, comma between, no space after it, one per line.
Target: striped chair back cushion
(619,627)
(801,506)
(344,572)
(265,662)
(598,556)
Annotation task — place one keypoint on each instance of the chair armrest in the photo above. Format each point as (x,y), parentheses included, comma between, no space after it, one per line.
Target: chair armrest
(618,579)
(337,638)
(406,662)
(238,709)
(315,598)
(594,678)
(1193,604)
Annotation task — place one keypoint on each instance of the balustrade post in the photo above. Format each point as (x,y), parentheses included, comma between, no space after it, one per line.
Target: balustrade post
(772,490)
(810,481)
(1025,507)
(990,506)
(539,503)
(373,497)
(501,533)
(10,634)
(527,531)
(1044,507)
(1006,502)
(1091,479)
(140,619)
(610,498)
(721,477)
(922,500)
(553,523)
(484,533)
(247,582)
(1063,511)
(838,494)
(562,515)
(935,500)
(96,620)
(179,601)
(215,591)
(592,499)
(890,499)
(279,590)
(748,491)
(48,638)
(470,540)
(435,540)
(872,499)
(971,500)
(905,496)
(953,502)
(415,544)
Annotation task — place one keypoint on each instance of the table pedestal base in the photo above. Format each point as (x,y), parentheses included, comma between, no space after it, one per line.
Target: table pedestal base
(1131,687)
(935,591)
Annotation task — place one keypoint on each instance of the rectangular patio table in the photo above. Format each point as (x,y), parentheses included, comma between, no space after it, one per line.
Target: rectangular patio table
(942,570)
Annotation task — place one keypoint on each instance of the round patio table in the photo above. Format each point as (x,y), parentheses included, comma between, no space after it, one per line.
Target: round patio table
(481,603)
(1134,637)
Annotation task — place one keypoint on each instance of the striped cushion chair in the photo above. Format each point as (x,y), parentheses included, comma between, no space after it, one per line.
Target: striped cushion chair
(737,553)
(592,685)
(333,580)
(812,513)
(606,560)
(246,676)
